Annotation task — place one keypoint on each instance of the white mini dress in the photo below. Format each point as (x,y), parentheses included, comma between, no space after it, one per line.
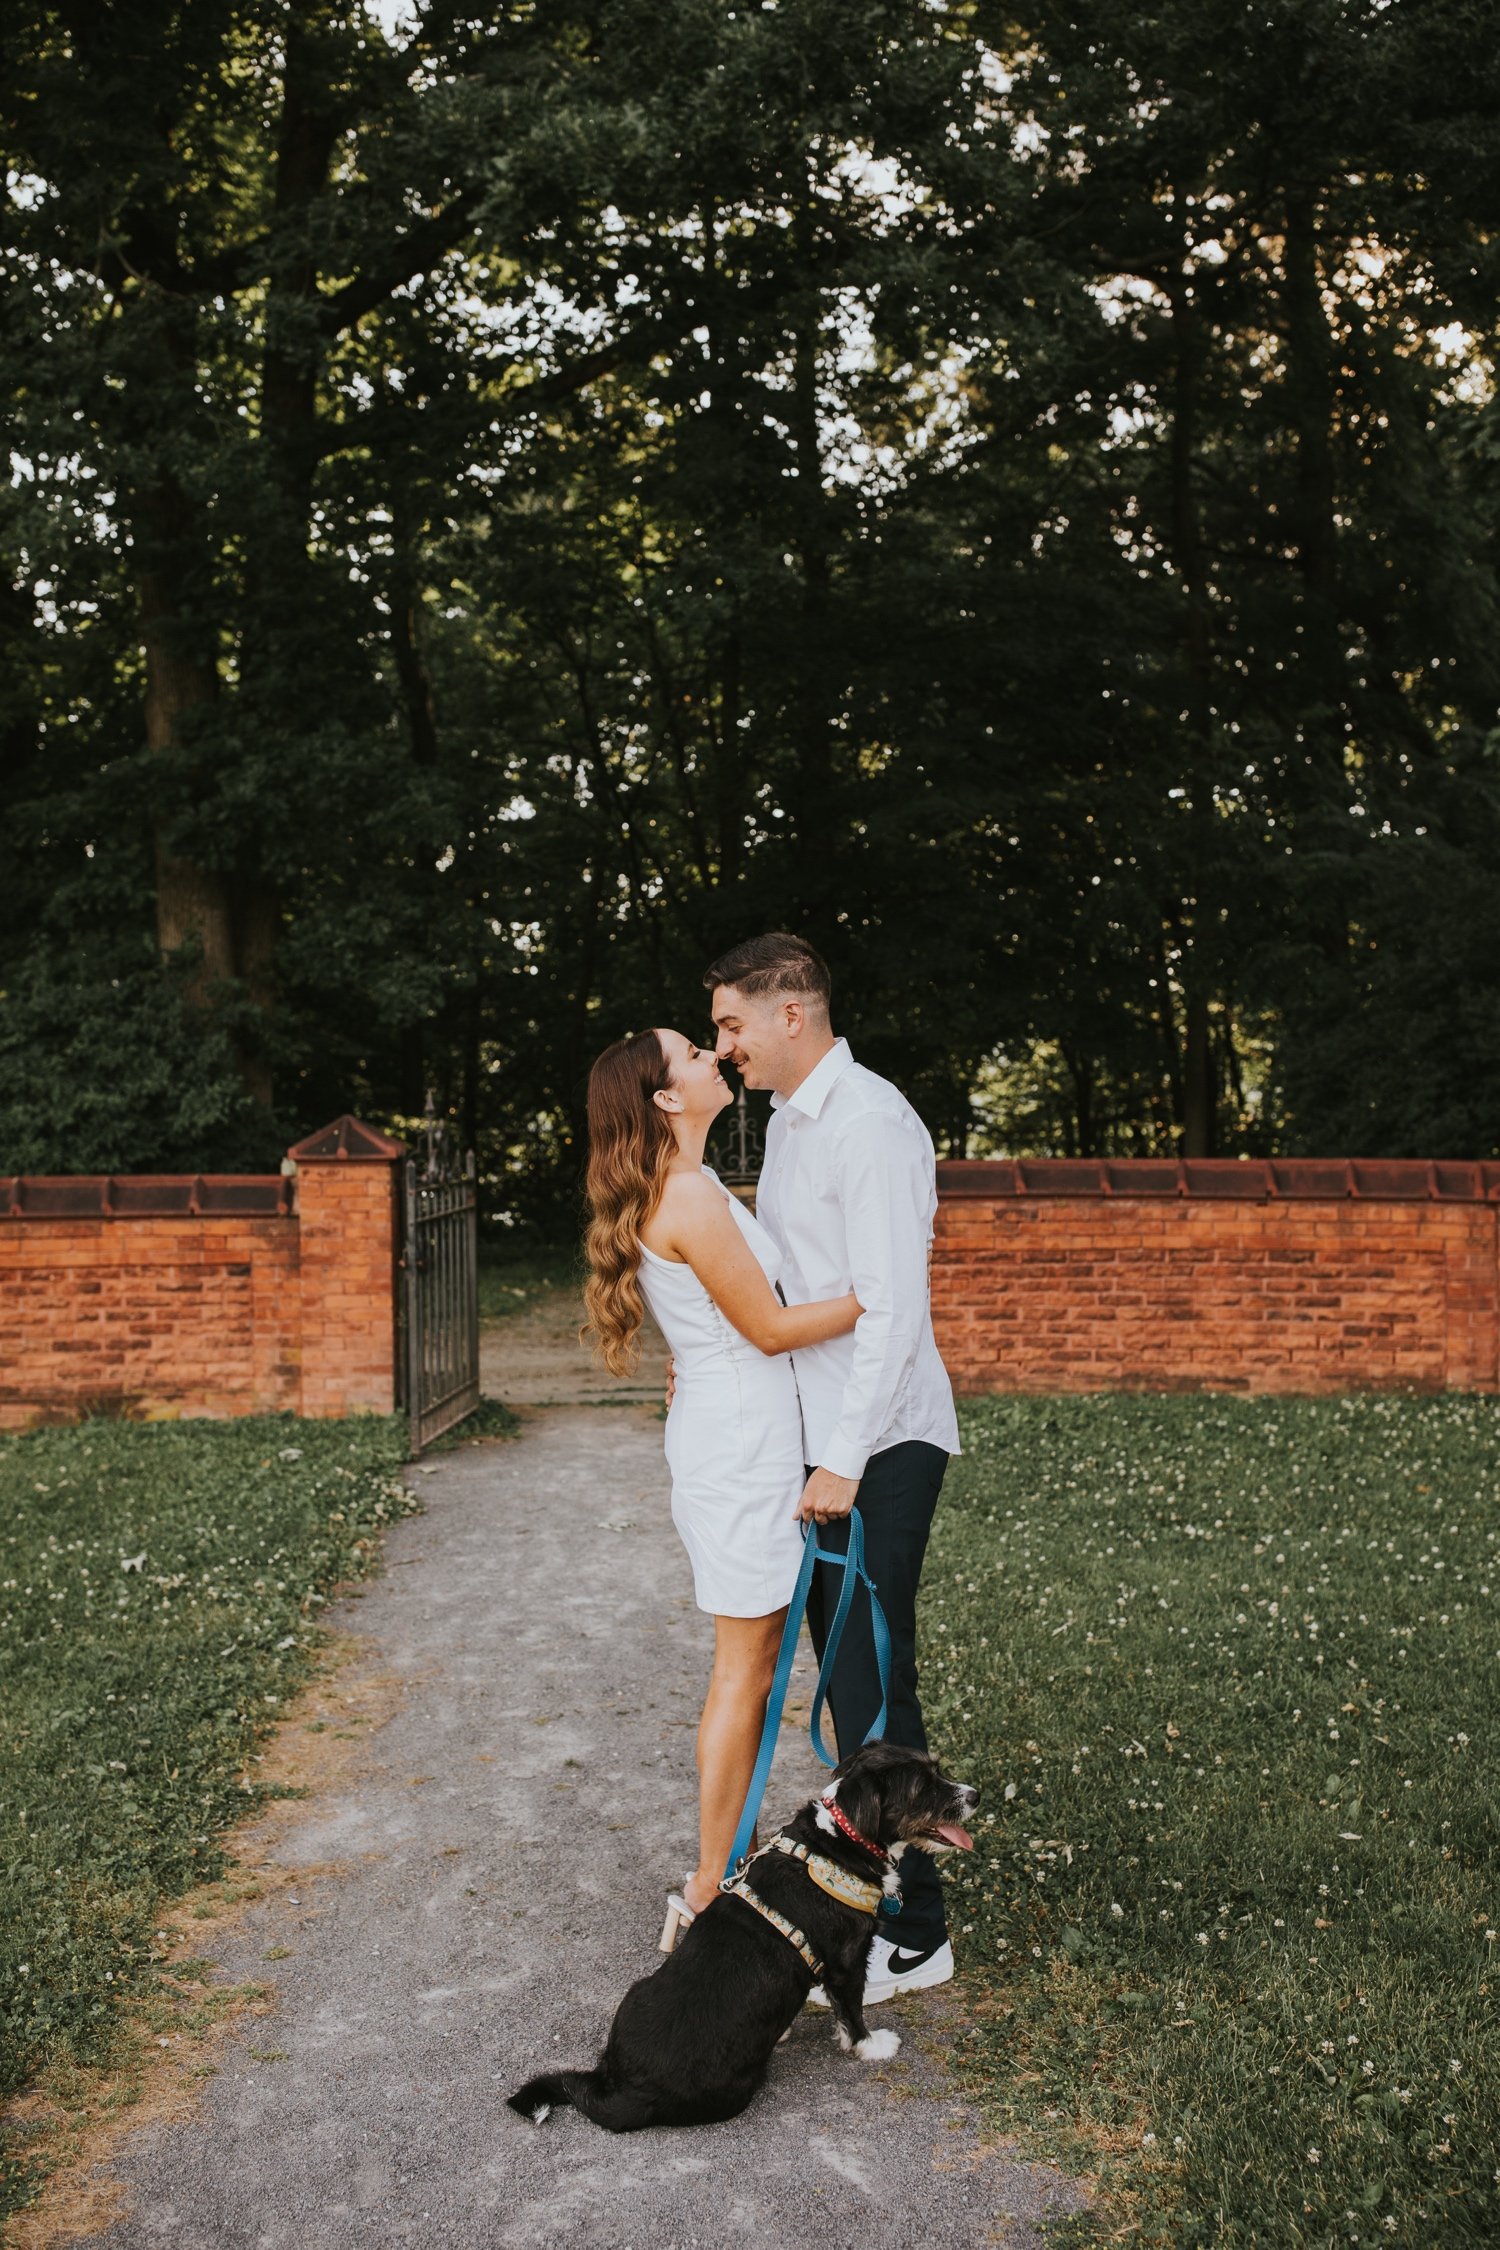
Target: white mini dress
(734,1438)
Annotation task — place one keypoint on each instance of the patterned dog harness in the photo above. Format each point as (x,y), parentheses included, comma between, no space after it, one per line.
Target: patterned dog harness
(741,1889)
(848,1889)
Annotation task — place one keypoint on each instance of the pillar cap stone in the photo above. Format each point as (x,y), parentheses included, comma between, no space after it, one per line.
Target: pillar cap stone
(346,1140)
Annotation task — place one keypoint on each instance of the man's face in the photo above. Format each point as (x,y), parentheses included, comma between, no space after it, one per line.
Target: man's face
(753,1035)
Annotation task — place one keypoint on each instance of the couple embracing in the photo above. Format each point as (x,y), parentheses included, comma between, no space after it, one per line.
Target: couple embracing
(805,1375)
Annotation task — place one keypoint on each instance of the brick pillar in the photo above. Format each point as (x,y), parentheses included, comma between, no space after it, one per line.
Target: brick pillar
(346,1209)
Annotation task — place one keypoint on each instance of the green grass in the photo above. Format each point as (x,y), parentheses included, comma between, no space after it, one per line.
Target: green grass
(159,1591)
(1226,1670)
(491,1419)
(510,1281)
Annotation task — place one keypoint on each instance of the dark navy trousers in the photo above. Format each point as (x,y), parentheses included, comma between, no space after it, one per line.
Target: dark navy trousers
(897,1497)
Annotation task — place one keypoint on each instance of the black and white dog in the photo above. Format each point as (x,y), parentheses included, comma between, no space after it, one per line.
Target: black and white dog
(691,2043)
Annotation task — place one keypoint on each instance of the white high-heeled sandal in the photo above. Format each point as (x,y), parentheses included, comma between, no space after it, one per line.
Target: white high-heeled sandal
(679,1914)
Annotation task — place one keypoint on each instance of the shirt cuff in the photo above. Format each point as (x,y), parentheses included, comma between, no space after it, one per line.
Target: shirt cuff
(843,1460)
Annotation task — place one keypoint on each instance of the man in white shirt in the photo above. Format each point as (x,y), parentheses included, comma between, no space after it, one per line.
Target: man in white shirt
(849,1190)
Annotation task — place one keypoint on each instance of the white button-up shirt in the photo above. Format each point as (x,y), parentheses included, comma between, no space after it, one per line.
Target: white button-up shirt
(849,1191)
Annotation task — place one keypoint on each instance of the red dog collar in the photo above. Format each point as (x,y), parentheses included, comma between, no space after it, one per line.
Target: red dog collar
(847,1828)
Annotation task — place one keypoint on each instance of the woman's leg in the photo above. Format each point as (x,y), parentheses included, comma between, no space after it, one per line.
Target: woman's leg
(734,1712)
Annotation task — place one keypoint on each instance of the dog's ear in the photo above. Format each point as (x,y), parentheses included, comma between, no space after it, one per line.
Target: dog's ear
(860,1801)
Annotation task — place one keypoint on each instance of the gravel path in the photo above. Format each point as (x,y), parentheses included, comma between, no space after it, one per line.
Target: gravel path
(505,1859)
(534,1358)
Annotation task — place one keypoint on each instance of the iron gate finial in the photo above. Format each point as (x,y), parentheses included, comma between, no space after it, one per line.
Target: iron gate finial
(737,1158)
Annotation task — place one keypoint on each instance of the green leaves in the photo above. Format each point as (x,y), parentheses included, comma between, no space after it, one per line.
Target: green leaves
(1013,494)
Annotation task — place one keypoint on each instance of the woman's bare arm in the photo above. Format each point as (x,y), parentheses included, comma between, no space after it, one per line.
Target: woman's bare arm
(694,1223)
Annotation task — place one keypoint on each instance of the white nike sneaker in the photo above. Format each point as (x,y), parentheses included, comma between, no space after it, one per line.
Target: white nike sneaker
(890,1971)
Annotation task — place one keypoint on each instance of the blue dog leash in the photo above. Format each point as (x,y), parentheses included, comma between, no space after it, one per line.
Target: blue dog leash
(852,1564)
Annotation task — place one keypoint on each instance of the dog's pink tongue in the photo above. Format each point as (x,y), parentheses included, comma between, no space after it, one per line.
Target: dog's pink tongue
(951,1833)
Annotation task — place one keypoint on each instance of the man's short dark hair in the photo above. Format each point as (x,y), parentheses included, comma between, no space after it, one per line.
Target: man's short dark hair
(774,967)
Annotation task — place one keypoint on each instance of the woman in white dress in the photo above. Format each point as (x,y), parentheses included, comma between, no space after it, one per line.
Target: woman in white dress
(665,1232)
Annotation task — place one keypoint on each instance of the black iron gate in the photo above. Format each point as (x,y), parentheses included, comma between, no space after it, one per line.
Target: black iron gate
(736,1148)
(439,1286)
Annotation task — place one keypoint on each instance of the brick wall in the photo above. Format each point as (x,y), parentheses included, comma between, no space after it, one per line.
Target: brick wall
(347,1216)
(1287,1276)
(164,1297)
(238,1296)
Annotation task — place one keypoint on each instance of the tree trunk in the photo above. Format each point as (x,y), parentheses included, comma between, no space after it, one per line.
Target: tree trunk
(1172,1047)
(1198,1092)
(411,1068)
(812,719)
(730,768)
(1310,399)
(1318,643)
(1081,1071)
(413,677)
(193,905)
(1199,1109)
(283,630)
(724,656)
(473,1038)
(256,918)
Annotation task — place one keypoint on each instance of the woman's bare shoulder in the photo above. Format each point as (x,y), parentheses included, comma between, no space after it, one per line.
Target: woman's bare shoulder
(692,1194)
(689,1217)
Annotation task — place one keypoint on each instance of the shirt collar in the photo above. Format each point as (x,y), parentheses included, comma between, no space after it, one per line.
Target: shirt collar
(819,1082)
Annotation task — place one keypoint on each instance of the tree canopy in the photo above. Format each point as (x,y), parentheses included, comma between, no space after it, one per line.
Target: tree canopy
(508,500)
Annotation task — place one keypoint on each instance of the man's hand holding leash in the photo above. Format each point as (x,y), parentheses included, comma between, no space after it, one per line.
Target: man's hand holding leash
(827,1498)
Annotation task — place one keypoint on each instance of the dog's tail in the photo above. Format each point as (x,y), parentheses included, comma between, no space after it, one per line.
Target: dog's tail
(588,2091)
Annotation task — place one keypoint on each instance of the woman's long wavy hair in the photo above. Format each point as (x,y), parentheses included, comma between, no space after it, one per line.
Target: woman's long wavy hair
(630,1147)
